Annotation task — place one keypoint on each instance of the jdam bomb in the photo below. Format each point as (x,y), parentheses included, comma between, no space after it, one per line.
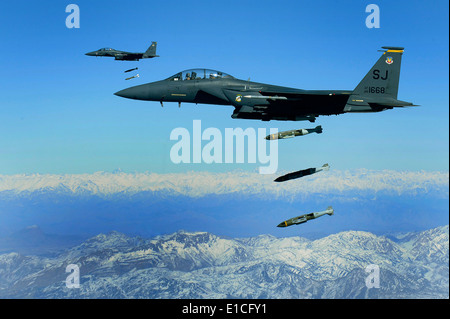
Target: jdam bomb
(304,218)
(293,133)
(302,173)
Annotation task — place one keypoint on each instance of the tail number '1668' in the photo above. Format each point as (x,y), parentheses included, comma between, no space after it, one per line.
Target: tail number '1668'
(374,89)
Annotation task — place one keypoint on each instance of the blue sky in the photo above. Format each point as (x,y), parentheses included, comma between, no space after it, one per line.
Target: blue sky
(58,113)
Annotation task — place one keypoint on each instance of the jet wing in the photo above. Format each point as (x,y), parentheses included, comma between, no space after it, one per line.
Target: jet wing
(294,94)
(128,56)
(287,104)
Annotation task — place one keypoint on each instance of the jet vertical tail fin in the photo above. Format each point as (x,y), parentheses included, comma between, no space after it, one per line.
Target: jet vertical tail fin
(383,78)
(151,51)
(378,90)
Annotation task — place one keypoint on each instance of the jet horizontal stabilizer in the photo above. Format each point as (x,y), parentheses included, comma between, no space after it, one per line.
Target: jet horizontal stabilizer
(393,48)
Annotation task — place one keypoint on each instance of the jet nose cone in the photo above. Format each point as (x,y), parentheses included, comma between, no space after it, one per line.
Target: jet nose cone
(124,93)
(145,92)
(90,54)
(136,93)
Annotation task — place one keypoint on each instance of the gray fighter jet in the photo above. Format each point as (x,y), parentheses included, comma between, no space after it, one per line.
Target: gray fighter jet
(126,56)
(376,92)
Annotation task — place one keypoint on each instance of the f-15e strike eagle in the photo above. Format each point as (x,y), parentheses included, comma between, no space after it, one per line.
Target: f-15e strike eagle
(376,92)
(126,56)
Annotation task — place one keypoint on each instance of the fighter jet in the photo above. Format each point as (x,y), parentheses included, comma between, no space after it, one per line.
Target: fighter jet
(301,173)
(304,218)
(126,56)
(251,100)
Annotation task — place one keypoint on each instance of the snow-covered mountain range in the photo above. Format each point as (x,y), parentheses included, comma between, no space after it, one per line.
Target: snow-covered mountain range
(196,184)
(203,265)
(150,204)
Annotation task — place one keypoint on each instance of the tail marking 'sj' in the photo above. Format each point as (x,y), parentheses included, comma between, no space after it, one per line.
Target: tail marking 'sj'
(378,90)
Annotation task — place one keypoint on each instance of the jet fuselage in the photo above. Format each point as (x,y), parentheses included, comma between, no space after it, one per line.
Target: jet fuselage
(376,92)
(241,94)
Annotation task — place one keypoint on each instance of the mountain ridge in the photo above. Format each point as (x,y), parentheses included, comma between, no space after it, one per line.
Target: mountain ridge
(204,265)
(197,184)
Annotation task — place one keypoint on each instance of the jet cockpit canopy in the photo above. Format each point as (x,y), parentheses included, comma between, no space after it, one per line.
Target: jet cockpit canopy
(199,74)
